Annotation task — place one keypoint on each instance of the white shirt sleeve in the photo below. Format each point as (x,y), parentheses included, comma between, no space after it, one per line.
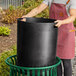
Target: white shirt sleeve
(73,4)
(46,2)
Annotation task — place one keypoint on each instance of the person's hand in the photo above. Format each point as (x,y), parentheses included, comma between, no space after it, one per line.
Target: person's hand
(23,16)
(59,23)
(24,19)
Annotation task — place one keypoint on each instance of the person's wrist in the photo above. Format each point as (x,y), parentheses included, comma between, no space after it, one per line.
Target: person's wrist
(24,16)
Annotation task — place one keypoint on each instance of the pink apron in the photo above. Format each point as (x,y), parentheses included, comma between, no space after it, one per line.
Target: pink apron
(66,35)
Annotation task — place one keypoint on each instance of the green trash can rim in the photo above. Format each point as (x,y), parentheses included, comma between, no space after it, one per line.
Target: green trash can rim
(32,68)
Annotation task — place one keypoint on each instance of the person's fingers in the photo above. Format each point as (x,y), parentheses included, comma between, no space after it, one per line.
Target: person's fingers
(56,21)
(24,19)
(23,16)
(56,25)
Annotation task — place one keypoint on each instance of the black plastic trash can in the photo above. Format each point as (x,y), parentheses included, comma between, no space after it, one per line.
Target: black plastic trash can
(36,42)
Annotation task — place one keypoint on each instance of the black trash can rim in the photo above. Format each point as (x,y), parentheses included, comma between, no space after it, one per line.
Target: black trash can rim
(36,20)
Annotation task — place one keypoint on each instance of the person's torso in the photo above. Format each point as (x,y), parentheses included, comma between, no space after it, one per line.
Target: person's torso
(61,2)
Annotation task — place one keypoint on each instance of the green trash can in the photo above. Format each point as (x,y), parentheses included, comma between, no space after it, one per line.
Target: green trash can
(20,71)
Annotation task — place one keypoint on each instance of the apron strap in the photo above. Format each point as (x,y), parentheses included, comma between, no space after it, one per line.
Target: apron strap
(65,4)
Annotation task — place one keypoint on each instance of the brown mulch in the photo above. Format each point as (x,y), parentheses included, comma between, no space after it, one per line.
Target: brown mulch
(7,41)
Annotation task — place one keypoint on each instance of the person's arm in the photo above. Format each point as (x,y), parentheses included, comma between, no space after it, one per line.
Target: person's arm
(72,16)
(70,19)
(35,11)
